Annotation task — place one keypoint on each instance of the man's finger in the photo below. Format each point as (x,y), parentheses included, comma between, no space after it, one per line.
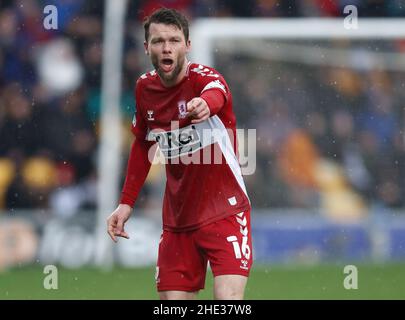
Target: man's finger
(200,119)
(120,224)
(194,114)
(190,105)
(193,104)
(123,234)
(119,231)
(112,220)
(202,113)
(111,233)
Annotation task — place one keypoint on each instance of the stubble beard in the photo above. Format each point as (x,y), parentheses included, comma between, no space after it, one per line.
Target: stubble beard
(171,77)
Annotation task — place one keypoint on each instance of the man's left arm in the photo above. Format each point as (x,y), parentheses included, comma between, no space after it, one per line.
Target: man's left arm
(213,95)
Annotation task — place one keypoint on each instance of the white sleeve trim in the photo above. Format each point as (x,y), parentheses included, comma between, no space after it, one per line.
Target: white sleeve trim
(214,84)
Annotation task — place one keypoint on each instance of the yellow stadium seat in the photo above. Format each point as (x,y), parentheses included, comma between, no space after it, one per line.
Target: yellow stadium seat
(7,174)
(39,172)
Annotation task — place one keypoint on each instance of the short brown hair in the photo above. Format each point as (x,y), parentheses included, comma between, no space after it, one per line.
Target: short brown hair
(169,17)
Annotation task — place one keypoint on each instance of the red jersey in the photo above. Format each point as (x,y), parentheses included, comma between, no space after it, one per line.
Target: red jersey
(204,180)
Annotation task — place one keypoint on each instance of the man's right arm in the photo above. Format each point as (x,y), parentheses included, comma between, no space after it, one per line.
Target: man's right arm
(137,170)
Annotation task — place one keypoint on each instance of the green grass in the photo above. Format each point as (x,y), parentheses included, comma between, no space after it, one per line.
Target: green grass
(266,282)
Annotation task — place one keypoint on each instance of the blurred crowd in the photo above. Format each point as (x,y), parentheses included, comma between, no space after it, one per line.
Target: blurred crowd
(50,89)
(331,137)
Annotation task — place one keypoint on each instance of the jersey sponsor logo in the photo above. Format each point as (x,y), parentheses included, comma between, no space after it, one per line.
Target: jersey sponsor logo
(178,142)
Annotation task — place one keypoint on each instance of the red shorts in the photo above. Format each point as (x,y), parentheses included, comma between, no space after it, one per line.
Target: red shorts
(183,256)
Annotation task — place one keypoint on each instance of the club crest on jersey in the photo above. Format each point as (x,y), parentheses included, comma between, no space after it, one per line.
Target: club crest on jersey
(182,109)
(150,115)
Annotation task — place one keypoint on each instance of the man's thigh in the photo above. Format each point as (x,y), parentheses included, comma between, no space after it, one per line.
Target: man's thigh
(227,244)
(181,266)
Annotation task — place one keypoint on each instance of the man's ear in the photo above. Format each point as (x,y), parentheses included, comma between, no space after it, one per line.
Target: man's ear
(188,46)
(145,45)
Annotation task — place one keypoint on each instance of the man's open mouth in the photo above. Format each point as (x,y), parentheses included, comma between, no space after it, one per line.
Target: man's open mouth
(166,64)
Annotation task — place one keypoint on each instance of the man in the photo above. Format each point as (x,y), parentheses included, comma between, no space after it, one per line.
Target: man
(187,109)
